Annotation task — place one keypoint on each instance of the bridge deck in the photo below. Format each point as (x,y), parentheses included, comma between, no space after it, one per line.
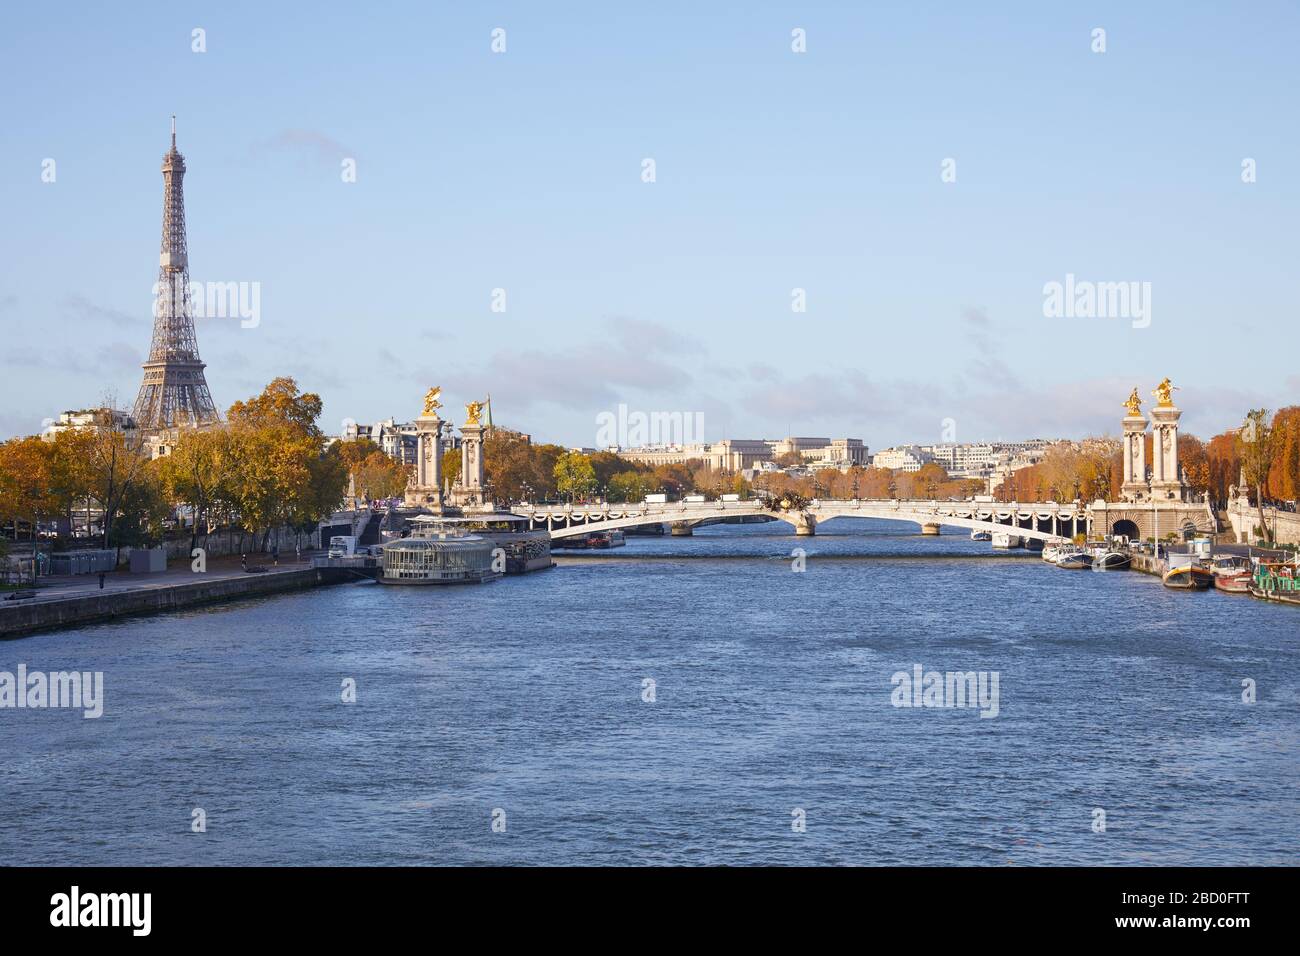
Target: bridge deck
(1046,521)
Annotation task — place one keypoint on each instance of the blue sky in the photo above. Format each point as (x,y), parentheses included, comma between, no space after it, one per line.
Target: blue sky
(774,171)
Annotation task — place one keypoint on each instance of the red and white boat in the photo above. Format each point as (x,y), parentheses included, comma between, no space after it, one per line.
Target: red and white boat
(1233,574)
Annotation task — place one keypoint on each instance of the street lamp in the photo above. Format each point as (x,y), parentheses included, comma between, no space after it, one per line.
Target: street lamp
(36,526)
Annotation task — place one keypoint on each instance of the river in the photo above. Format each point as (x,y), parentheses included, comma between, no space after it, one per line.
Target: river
(769,733)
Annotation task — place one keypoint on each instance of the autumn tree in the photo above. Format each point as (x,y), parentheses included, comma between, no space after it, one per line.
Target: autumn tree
(1194,460)
(356,450)
(201,472)
(377,475)
(1284,471)
(114,461)
(280,404)
(928,479)
(516,468)
(1255,446)
(30,484)
(673,479)
(1223,462)
(779,483)
(875,483)
(282,476)
(606,465)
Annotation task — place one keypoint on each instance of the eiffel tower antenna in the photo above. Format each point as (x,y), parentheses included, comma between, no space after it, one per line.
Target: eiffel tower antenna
(174,391)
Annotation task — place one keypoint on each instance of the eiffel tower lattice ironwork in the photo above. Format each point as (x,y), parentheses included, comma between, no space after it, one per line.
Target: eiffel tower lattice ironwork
(174,391)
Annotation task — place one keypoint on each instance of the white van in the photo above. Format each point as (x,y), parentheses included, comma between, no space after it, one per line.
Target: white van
(343,545)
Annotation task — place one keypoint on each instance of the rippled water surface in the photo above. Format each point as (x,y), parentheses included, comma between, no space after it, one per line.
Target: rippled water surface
(772,692)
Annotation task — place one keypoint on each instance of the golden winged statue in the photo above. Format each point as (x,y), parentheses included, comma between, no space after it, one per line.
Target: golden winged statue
(1165,392)
(1134,404)
(472,412)
(431,403)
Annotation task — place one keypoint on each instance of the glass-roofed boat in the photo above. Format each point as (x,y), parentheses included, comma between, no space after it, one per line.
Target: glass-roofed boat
(440,552)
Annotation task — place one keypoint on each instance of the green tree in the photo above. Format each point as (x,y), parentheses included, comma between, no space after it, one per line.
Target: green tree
(327,481)
(630,485)
(574,475)
(451,465)
(144,506)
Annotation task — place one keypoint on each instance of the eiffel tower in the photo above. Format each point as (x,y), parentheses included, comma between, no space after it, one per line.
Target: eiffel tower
(174,391)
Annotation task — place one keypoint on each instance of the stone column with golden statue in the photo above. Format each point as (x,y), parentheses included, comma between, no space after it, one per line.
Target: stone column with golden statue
(469,486)
(425,489)
(1166,482)
(1135,487)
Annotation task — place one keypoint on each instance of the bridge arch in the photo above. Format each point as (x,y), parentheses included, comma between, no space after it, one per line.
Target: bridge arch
(1127,528)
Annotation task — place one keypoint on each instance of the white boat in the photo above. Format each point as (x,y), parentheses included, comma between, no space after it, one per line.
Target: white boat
(1107,560)
(1053,552)
(1002,539)
(981,535)
(1079,560)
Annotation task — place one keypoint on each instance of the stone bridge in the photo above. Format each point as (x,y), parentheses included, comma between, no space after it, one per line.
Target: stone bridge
(1044,521)
(1244,516)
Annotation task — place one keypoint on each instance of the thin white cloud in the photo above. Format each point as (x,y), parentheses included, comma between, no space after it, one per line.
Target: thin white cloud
(77,308)
(307,142)
(626,361)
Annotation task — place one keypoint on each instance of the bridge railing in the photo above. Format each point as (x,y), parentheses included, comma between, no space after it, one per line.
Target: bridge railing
(683,510)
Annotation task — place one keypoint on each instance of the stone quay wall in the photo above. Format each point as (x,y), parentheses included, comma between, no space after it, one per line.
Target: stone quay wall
(23,617)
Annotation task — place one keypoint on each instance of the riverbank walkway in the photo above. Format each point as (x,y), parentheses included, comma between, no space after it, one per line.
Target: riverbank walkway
(61,587)
(70,600)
